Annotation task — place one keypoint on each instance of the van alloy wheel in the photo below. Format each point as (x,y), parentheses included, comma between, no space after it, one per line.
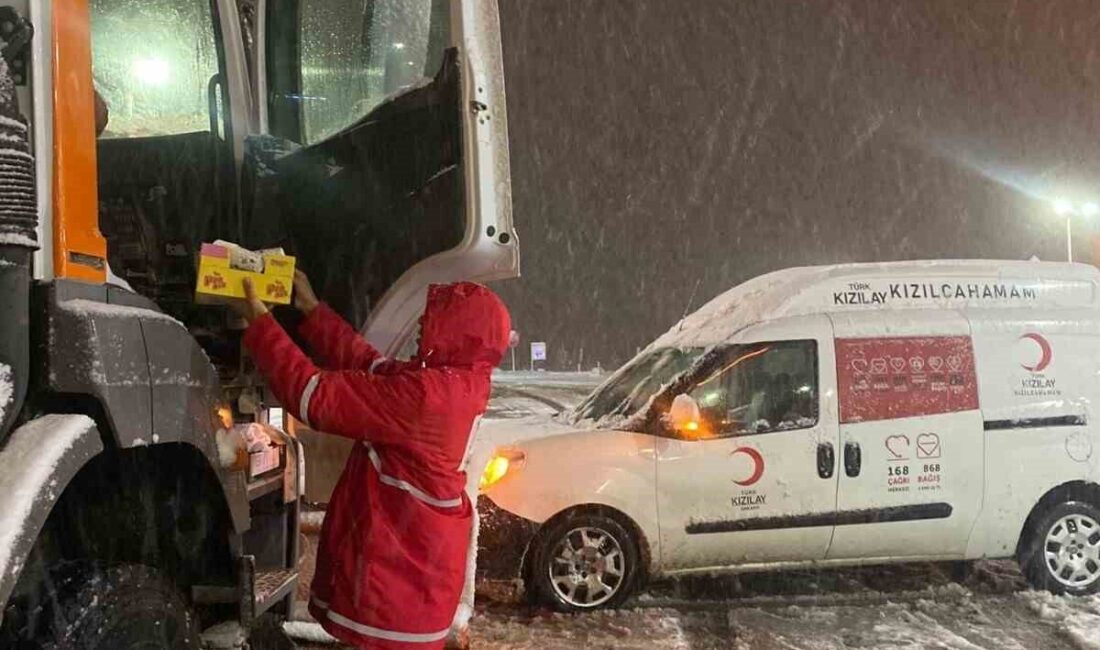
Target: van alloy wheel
(1072,550)
(1061,550)
(584,559)
(588,567)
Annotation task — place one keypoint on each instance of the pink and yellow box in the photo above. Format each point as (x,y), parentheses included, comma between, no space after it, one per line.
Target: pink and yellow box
(218,280)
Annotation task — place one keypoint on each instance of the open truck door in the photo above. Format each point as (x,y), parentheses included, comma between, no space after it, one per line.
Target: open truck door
(384,164)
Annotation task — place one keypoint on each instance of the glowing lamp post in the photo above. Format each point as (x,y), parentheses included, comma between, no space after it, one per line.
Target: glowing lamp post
(1068,210)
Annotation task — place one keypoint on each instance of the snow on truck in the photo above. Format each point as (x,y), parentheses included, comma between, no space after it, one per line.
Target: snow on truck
(826,416)
(368,138)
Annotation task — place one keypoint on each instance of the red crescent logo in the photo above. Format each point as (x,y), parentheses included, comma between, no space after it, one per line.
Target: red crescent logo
(758,465)
(1044,347)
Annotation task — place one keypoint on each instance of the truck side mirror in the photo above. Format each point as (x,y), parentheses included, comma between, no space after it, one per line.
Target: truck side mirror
(684,416)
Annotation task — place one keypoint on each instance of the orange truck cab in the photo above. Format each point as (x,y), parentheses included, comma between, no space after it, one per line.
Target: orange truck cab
(367,139)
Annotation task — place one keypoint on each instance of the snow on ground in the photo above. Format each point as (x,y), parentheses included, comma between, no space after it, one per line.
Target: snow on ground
(911,607)
(1077,618)
(308,631)
(643,629)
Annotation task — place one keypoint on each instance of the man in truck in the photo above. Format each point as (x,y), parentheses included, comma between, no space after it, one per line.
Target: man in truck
(392,560)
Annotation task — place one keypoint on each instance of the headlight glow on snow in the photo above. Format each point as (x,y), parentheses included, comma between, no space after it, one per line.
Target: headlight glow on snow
(499,465)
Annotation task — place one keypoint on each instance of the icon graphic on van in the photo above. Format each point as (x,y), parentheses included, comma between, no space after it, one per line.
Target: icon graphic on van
(1046,354)
(898,447)
(928,445)
(757,463)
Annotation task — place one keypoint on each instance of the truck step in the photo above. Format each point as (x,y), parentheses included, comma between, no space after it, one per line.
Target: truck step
(272,586)
(262,589)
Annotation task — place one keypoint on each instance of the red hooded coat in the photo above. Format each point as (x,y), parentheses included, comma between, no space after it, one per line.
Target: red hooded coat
(392,560)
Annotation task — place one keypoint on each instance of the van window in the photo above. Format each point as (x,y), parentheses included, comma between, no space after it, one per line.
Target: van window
(760,388)
(153,61)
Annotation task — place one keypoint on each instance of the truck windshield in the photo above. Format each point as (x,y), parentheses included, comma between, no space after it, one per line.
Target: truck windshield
(631,388)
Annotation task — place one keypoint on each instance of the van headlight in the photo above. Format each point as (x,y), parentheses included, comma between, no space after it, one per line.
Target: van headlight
(502,463)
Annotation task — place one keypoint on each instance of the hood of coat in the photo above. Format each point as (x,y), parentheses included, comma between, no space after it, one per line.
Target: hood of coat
(464,324)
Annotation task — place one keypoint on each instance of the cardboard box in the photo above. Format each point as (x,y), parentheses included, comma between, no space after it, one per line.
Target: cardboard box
(218,280)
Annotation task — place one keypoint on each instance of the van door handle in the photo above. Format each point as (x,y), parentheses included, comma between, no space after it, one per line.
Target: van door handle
(853,459)
(826,459)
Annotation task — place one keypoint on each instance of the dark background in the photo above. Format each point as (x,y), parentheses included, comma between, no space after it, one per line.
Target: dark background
(660,144)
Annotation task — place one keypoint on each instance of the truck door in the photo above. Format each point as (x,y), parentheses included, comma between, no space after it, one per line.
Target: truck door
(762,486)
(911,436)
(385,165)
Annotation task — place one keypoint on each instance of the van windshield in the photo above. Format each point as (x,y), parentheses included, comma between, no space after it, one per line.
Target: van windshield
(631,388)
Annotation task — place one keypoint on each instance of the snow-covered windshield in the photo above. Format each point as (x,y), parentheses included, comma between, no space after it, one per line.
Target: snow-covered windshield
(634,385)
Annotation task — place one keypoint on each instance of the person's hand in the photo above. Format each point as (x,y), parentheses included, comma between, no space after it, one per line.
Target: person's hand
(251,307)
(304,298)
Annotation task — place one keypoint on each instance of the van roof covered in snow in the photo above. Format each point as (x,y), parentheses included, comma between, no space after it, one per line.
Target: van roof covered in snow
(892,285)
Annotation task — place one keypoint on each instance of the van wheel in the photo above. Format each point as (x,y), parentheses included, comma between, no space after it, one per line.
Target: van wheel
(583,561)
(121,607)
(1063,554)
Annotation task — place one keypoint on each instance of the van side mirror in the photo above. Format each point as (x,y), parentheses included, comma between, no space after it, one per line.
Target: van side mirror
(684,416)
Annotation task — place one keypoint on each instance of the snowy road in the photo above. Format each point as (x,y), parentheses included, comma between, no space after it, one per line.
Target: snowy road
(893,607)
(915,607)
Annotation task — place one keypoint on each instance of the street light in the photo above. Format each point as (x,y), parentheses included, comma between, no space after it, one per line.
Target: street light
(1068,210)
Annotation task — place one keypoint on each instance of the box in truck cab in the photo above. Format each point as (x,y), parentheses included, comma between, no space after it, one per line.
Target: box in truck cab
(223,268)
(833,415)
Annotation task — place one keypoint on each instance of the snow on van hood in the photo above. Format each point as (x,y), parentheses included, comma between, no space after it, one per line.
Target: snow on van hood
(814,289)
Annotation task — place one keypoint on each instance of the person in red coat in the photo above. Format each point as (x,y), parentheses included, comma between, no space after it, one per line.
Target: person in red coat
(392,560)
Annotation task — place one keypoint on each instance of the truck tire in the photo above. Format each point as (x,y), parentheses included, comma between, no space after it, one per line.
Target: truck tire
(127,606)
(1062,554)
(583,561)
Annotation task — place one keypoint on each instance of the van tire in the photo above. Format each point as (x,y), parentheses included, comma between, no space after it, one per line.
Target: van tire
(1078,523)
(614,549)
(100,608)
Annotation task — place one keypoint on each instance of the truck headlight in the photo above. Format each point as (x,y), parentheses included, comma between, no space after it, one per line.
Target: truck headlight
(502,463)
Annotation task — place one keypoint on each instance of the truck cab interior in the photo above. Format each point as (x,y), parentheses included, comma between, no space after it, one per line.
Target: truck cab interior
(352,161)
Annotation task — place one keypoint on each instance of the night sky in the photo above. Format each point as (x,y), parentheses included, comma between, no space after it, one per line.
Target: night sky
(657,145)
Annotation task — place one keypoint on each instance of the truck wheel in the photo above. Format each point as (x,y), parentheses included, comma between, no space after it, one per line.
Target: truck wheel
(122,607)
(584,561)
(1063,554)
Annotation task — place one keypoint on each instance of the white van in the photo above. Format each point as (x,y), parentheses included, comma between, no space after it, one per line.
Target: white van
(831,416)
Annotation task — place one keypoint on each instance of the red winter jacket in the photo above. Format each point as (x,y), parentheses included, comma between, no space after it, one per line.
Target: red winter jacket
(392,560)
